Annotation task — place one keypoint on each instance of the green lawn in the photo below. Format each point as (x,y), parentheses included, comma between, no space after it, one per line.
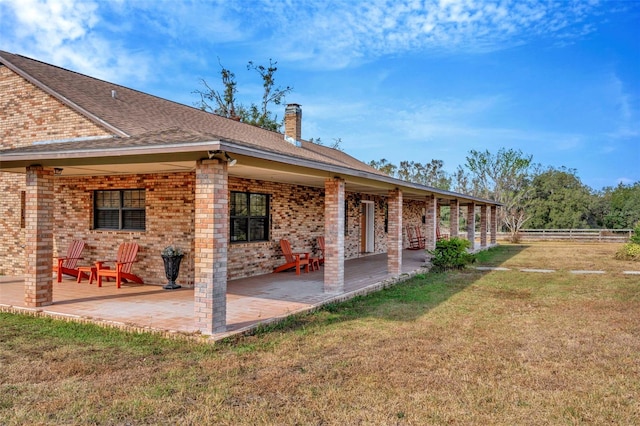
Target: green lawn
(471,347)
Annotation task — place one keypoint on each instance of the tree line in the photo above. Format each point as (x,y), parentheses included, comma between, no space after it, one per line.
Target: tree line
(533,196)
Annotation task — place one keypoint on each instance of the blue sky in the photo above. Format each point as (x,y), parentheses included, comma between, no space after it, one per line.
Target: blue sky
(399,80)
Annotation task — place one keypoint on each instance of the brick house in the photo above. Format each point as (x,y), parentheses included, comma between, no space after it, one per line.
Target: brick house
(224,191)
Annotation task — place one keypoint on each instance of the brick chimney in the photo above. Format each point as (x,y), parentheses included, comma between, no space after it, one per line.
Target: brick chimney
(293,122)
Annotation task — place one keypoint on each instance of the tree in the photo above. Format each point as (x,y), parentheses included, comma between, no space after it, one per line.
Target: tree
(429,174)
(503,177)
(224,103)
(337,142)
(624,206)
(559,200)
(384,166)
(257,114)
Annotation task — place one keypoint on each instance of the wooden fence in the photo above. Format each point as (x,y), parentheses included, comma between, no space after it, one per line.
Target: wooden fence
(604,235)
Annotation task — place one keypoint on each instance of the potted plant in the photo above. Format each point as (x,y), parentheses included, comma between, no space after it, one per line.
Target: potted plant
(172,256)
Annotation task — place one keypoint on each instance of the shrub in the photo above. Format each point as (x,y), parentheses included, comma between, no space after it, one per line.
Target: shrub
(515,238)
(451,254)
(629,251)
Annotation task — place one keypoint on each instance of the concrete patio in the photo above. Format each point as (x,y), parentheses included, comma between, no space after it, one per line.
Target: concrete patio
(250,301)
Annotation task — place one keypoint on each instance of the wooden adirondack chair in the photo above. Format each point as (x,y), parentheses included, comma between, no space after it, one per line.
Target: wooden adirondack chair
(415,242)
(293,260)
(440,236)
(126,258)
(68,264)
(422,241)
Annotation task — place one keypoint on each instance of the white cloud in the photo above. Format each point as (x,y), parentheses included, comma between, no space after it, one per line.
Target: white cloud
(321,34)
(338,33)
(62,32)
(627,122)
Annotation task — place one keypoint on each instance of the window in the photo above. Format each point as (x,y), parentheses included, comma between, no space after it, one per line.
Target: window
(123,209)
(386,217)
(346,217)
(23,208)
(249,217)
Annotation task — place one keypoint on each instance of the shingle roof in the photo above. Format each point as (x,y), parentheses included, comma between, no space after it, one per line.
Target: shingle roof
(135,114)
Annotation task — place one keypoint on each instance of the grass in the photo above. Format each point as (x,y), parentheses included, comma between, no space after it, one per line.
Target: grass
(469,347)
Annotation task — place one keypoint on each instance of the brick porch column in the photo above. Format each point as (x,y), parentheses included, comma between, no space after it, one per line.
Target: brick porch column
(334,235)
(483,225)
(471,224)
(454,218)
(493,227)
(394,241)
(211,233)
(431,221)
(38,251)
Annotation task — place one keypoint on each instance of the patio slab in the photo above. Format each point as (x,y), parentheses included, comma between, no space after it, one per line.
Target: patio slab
(250,301)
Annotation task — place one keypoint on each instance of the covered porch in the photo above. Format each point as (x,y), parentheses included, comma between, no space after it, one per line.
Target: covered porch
(250,301)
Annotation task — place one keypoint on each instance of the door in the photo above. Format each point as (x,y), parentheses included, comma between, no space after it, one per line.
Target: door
(367,235)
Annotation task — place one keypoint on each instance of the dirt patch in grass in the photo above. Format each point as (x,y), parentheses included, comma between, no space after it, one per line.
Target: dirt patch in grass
(473,347)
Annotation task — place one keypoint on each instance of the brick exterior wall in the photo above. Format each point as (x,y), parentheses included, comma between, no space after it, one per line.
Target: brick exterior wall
(27,115)
(12,233)
(169,200)
(297,213)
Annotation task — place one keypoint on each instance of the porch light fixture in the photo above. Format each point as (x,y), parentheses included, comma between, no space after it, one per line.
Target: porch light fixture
(57,171)
(231,161)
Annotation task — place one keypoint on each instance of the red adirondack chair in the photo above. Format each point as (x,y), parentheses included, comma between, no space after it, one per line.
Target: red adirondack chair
(293,260)
(122,273)
(68,264)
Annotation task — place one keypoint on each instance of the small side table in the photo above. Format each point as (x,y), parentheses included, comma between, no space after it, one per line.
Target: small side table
(91,270)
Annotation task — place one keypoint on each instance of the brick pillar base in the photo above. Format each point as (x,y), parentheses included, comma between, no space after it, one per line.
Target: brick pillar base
(454,218)
(38,251)
(211,233)
(394,242)
(334,235)
(471,224)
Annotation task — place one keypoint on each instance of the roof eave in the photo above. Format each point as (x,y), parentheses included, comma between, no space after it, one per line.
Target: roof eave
(170,150)
(344,170)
